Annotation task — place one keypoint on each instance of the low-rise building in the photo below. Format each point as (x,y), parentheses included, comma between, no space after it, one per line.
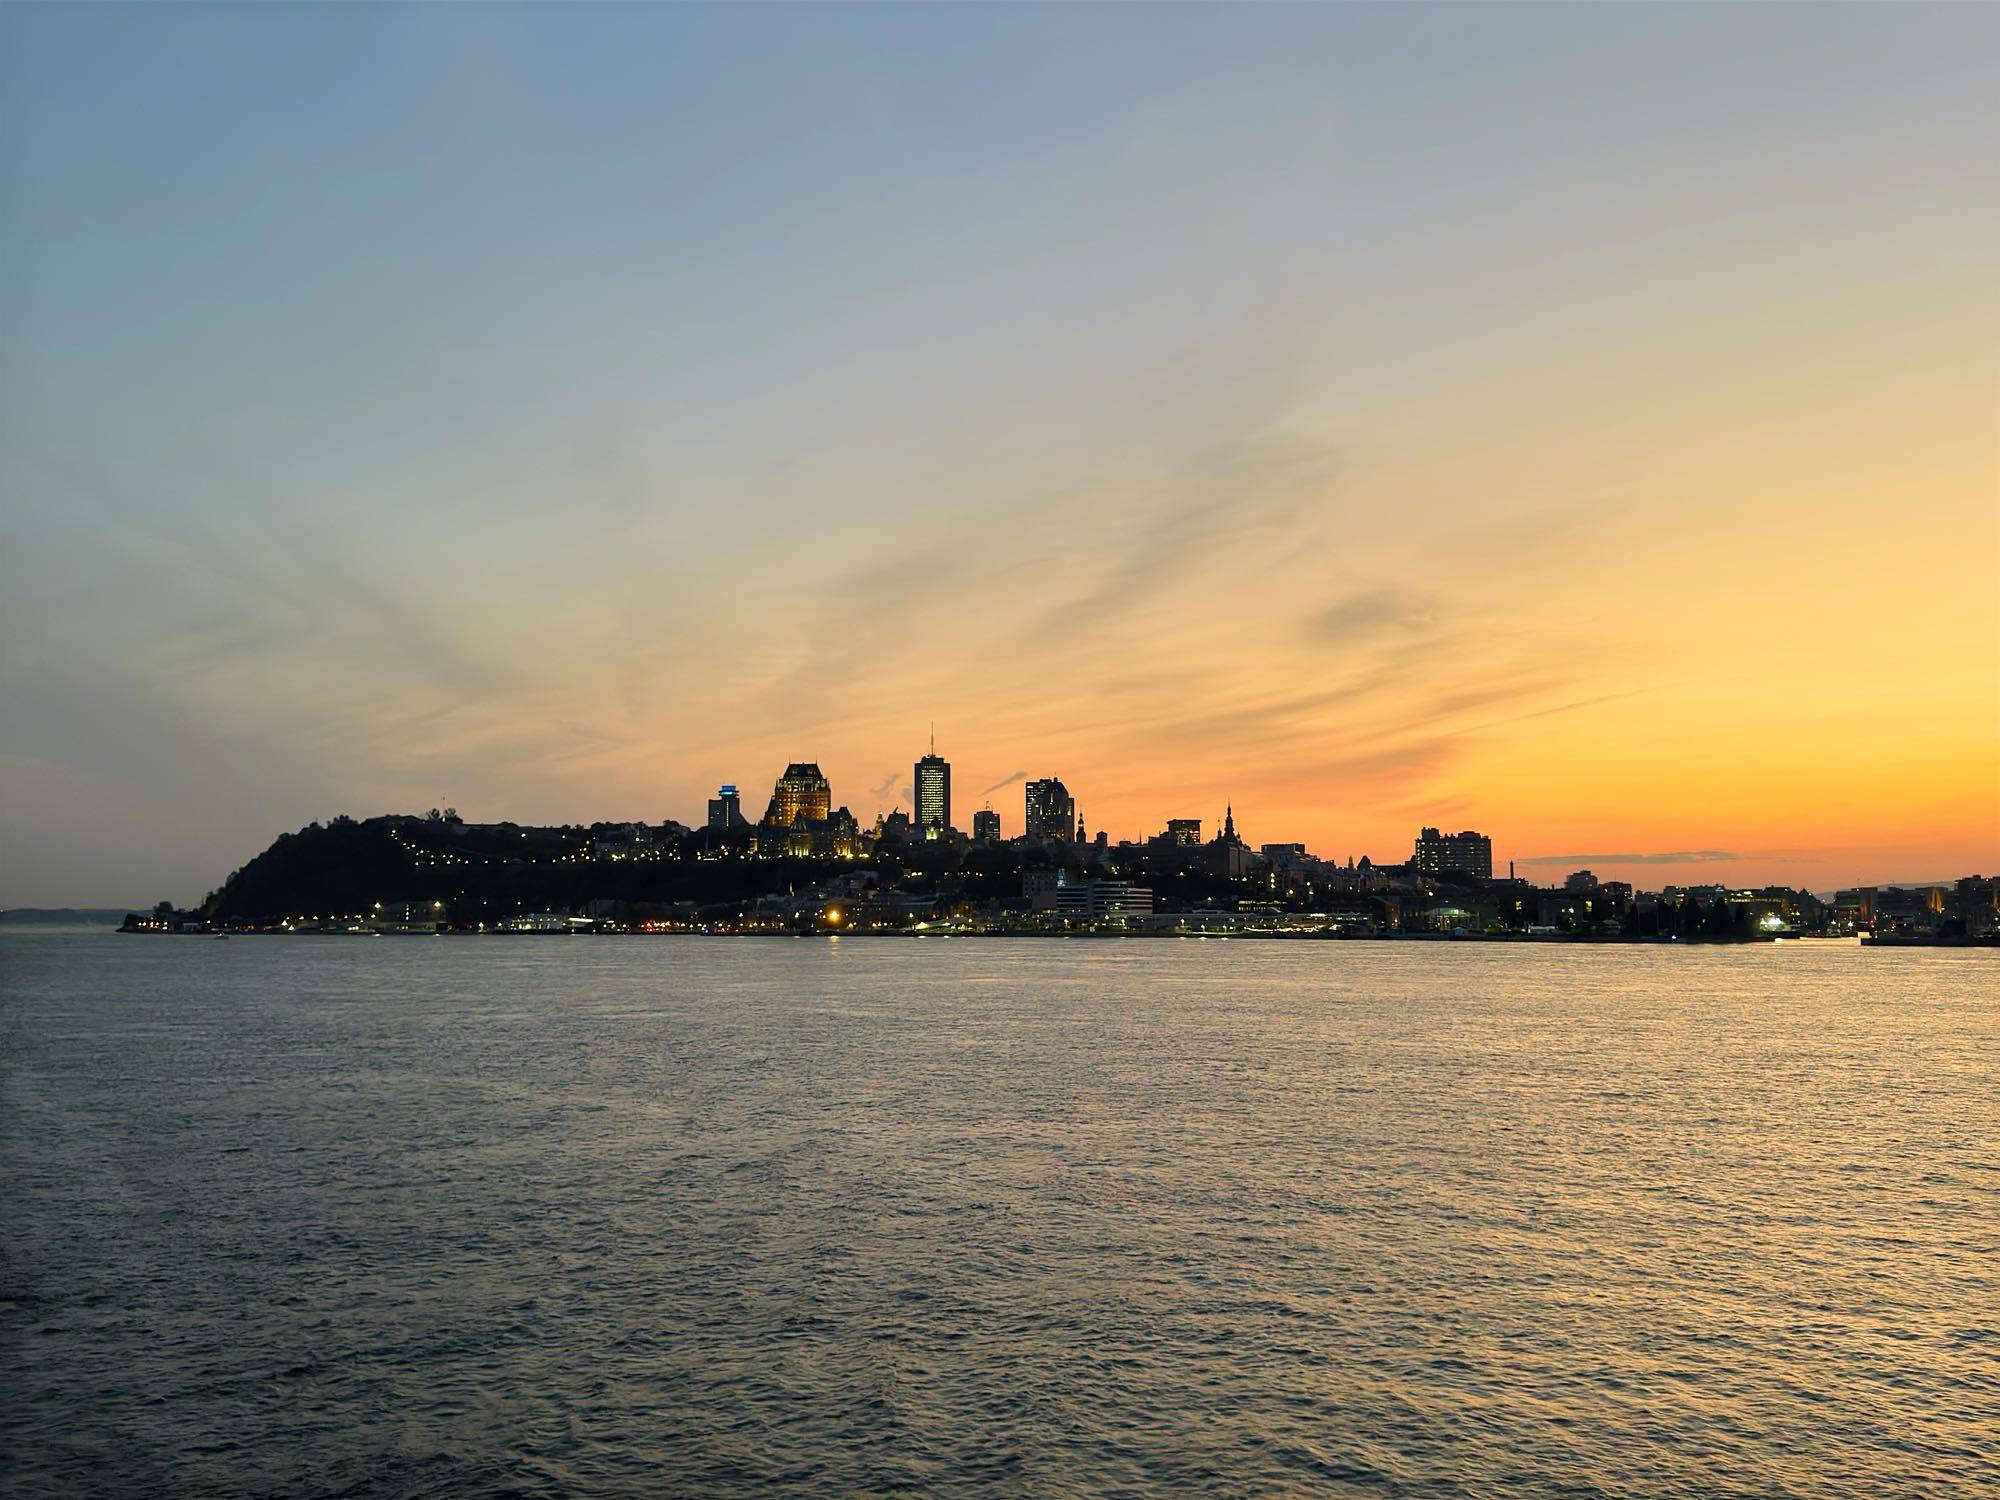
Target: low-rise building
(1103,900)
(1979,904)
(1039,887)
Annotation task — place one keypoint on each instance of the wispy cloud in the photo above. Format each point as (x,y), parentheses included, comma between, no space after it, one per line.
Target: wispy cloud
(1005,781)
(1564,708)
(1240,496)
(1372,612)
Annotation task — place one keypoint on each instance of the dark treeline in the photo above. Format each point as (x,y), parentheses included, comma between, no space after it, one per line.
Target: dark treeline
(346,867)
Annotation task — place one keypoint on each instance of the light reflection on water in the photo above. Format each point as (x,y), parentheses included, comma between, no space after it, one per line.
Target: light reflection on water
(570,1216)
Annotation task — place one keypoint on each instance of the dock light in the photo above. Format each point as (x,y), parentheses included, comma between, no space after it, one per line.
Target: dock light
(833,917)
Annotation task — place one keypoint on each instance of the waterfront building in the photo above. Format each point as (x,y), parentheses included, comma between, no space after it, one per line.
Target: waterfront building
(1465,853)
(541,921)
(986,826)
(932,787)
(1051,811)
(407,917)
(1854,909)
(1103,900)
(802,792)
(1908,911)
(1040,887)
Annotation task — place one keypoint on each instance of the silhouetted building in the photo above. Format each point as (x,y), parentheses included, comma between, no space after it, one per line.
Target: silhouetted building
(835,836)
(802,792)
(1979,904)
(725,808)
(986,826)
(933,795)
(1226,855)
(1854,910)
(1582,880)
(1184,831)
(1466,853)
(1051,811)
(1040,887)
(1908,911)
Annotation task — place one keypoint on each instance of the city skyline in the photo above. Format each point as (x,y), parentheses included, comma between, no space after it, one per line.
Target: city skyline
(1060,820)
(1575,424)
(805,818)
(999,749)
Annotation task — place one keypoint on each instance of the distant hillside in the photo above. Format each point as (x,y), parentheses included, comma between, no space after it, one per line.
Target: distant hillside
(334,868)
(476,873)
(66,916)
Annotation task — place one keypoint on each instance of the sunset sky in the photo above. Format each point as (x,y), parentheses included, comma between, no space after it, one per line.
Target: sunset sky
(1578,424)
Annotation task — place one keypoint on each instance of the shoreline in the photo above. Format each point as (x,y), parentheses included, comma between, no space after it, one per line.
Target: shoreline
(1171,934)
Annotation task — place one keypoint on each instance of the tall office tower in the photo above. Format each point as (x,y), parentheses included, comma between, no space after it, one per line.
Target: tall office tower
(1466,853)
(933,794)
(986,826)
(1051,811)
(725,808)
(800,793)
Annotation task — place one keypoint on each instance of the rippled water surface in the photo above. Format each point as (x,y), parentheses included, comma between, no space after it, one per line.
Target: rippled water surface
(680,1216)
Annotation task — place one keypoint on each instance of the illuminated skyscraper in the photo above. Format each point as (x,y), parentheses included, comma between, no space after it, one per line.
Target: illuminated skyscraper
(802,792)
(1051,811)
(933,794)
(725,808)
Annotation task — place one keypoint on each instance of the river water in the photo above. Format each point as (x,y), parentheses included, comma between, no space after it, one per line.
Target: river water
(568,1216)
